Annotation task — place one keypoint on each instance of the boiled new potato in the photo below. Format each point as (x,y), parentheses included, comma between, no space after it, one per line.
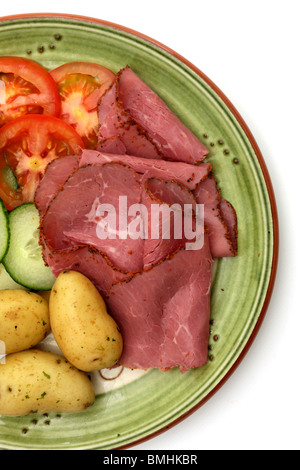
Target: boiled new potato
(36,381)
(85,333)
(24,319)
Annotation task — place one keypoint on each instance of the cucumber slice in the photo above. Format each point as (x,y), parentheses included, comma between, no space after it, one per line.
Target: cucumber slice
(4,230)
(10,178)
(24,261)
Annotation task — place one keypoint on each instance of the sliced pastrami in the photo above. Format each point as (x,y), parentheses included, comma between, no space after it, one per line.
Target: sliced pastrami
(112,145)
(184,173)
(86,260)
(164,312)
(171,220)
(133,112)
(229,216)
(134,224)
(73,218)
(172,138)
(115,123)
(57,172)
(208,194)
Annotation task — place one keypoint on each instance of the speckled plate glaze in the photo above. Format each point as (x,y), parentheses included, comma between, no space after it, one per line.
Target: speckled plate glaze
(241,287)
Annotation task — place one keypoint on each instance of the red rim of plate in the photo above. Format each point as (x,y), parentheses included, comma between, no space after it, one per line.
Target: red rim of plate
(265,172)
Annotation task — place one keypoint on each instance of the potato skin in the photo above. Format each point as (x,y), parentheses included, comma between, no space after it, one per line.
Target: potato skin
(24,319)
(36,381)
(85,333)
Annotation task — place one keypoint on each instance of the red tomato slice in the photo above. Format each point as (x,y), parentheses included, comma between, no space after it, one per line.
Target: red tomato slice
(26,88)
(81,85)
(27,145)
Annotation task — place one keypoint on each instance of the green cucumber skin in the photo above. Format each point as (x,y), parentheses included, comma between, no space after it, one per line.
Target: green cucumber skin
(10,177)
(25,271)
(4,230)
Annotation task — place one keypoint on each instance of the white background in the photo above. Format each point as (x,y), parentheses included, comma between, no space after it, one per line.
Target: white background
(251,50)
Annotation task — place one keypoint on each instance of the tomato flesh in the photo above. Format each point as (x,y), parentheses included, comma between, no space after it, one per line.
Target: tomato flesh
(81,86)
(27,145)
(73,90)
(26,88)
(16,103)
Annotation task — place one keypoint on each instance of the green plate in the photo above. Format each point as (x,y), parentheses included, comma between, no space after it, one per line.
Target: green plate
(242,287)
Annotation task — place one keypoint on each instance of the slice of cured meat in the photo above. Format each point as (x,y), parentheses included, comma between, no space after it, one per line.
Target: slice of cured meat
(164,312)
(147,127)
(207,193)
(112,145)
(57,172)
(171,220)
(184,173)
(86,260)
(86,211)
(118,127)
(229,216)
(174,140)
(102,206)
(219,215)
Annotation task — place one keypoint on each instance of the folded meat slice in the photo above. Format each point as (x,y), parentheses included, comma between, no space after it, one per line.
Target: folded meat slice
(59,170)
(164,312)
(144,123)
(86,211)
(184,173)
(84,259)
(88,261)
(112,145)
(228,214)
(171,220)
(118,127)
(208,194)
(107,207)
(219,214)
(55,175)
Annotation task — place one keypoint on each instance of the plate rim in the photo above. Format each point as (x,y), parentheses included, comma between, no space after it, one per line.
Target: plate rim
(265,173)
